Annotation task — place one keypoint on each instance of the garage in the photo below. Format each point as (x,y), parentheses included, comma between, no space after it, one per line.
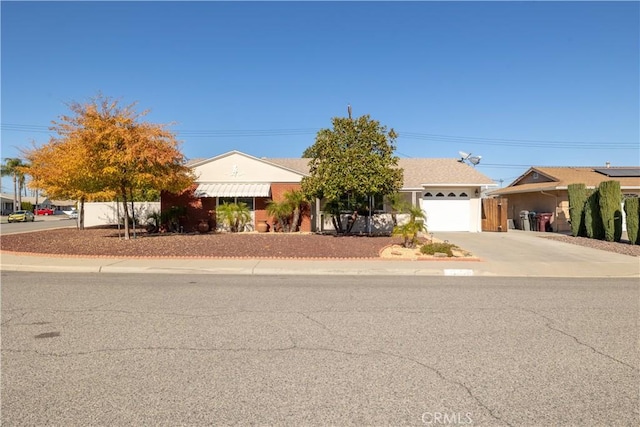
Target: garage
(448,210)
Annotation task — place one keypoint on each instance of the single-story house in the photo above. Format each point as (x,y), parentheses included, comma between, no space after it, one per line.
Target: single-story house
(544,190)
(6,202)
(447,190)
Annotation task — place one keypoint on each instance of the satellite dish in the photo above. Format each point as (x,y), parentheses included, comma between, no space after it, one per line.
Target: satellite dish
(474,160)
(463,156)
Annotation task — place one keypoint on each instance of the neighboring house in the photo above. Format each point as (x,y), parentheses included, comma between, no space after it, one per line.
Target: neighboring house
(447,190)
(6,203)
(544,189)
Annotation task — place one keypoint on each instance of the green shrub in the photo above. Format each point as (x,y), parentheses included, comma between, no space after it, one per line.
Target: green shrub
(441,247)
(234,215)
(27,206)
(577,200)
(592,218)
(410,230)
(632,210)
(610,199)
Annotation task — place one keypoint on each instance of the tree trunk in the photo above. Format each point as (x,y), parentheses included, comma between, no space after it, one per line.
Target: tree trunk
(20,194)
(126,213)
(337,223)
(296,219)
(15,193)
(81,214)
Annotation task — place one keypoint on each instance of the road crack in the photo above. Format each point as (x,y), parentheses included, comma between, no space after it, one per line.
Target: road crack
(549,324)
(452,381)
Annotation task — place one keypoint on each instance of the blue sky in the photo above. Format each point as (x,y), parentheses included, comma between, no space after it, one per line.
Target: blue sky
(519,83)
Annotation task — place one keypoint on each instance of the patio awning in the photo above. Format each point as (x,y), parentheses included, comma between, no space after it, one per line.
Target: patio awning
(233,189)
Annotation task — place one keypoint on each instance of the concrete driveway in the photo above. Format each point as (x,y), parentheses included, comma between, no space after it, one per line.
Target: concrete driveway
(527,253)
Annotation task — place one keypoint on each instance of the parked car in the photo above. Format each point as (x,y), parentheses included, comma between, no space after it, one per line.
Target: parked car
(73,213)
(44,211)
(21,216)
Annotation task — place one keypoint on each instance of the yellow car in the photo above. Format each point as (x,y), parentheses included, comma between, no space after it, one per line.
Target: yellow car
(21,216)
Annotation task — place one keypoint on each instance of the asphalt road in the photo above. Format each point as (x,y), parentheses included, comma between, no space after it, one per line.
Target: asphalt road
(41,222)
(91,349)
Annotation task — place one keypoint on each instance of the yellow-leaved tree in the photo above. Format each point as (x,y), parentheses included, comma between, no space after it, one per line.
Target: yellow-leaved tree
(103,151)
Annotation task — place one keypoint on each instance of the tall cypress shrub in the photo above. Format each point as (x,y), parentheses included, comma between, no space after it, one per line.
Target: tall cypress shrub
(610,205)
(592,218)
(632,211)
(577,200)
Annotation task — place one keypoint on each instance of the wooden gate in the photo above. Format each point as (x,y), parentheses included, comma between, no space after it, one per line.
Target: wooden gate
(494,214)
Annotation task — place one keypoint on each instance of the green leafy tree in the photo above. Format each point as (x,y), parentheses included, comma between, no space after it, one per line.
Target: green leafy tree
(609,200)
(354,159)
(632,211)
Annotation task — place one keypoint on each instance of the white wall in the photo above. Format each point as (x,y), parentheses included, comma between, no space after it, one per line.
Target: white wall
(106,213)
(239,168)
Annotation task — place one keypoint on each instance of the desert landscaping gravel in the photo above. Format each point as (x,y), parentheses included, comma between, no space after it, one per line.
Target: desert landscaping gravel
(101,242)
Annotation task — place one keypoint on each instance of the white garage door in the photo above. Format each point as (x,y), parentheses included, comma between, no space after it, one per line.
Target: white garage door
(447,213)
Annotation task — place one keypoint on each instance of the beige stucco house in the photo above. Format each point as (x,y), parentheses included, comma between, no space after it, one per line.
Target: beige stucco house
(544,189)
(448,191)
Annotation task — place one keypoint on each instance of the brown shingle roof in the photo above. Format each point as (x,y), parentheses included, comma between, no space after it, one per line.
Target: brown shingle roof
(416,171)
(297,164)
(560,177)
(440,172)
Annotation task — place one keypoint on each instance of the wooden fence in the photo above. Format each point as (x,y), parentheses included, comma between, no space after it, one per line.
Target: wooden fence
(494,214)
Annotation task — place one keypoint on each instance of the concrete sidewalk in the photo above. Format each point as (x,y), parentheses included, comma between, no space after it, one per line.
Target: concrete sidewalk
(511,254)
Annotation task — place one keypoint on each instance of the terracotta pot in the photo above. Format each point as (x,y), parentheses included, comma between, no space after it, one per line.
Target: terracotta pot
(203,226)
(262,227)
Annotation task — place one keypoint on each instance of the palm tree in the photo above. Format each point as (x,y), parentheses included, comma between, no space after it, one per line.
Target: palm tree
(234,215)
(296,201)
(13,167)
(410,230)
(398,205)
(281,211)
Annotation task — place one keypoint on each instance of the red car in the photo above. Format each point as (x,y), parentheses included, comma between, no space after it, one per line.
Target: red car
(44,211)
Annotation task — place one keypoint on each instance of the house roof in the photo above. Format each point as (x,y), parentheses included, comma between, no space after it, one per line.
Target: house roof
(443,171)
(417,172)
(541,178)
(300,165)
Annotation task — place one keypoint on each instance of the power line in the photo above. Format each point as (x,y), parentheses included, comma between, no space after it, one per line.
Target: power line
(439,138)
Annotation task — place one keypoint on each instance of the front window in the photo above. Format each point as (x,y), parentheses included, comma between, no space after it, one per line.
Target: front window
(246,200)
